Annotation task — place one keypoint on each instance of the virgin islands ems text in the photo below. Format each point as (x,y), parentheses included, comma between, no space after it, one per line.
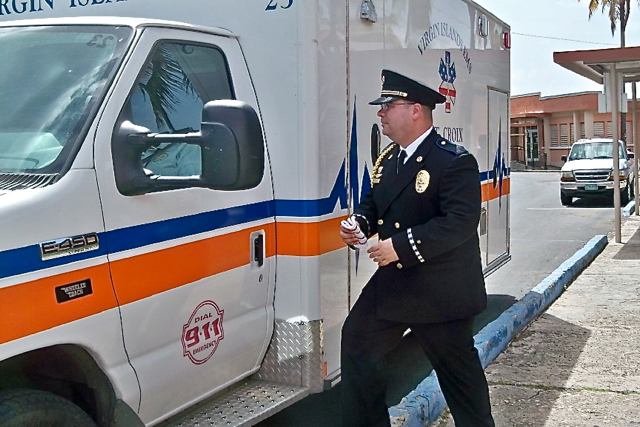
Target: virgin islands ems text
(8,7)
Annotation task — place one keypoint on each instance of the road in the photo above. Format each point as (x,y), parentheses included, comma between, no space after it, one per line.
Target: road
(543,235)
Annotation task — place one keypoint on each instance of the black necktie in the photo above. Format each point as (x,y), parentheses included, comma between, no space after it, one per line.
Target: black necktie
(401,157)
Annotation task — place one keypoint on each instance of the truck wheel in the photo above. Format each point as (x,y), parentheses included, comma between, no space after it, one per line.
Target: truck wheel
(34,408)
(624,195)
(565,200)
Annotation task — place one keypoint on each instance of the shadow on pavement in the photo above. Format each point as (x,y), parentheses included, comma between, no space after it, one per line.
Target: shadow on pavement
(592,202)
(407,364)
(531,375)
(631,249)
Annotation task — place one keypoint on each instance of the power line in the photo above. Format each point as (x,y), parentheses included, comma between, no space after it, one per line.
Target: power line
(559,38)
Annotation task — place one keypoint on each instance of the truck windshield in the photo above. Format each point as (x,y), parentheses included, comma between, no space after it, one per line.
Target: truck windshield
(52,80)
(594,150)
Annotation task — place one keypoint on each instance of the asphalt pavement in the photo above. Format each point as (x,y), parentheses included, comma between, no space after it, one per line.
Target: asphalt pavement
(567,353)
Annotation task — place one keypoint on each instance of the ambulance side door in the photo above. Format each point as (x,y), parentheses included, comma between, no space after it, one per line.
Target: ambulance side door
(193,268)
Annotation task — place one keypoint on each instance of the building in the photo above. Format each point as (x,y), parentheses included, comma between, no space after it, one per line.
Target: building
(544,128)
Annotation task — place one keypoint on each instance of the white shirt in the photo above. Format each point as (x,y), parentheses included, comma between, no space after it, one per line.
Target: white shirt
(411,148)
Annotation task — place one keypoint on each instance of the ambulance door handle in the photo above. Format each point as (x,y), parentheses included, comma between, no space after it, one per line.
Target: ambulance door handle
(258,249)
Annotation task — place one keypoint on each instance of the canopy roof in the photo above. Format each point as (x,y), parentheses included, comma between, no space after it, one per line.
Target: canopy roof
(592,64)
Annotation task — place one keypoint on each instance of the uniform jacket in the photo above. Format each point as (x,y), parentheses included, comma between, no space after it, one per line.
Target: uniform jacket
(431,211)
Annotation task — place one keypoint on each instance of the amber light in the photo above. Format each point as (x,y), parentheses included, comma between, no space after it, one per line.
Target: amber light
(506,40)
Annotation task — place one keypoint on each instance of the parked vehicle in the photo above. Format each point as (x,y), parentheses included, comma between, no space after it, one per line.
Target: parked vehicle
(171,193)
(588,171)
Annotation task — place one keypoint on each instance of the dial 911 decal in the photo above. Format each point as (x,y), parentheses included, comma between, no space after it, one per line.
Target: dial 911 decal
(203,332)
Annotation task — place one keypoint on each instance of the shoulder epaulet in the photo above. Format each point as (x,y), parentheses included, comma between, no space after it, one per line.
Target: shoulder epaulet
(375,175)
(449,146)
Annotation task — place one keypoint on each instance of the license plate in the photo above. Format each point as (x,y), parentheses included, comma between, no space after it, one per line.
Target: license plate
(591,187)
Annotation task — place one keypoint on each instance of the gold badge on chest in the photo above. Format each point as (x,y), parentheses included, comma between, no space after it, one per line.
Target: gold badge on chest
(422,181)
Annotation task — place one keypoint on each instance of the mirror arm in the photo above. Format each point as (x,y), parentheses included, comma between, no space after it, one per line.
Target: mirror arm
(149,139)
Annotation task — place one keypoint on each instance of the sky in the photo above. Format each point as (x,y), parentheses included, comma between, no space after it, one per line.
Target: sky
(541,27)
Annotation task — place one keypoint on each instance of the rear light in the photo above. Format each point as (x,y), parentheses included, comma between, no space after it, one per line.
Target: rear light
(506,40)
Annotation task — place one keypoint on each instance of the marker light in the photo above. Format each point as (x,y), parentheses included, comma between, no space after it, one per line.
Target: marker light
(506,40)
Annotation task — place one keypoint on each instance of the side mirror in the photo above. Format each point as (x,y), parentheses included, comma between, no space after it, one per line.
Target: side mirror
(232,146)
(232,152)
(564,158)
(630,155)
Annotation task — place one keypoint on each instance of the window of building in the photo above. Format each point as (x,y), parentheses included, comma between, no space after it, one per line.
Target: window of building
(598,129)
(554,136)
(564,135)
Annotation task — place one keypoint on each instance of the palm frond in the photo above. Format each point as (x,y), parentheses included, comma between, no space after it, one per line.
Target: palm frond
(163,79)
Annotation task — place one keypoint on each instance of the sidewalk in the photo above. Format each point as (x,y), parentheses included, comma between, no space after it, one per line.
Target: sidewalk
(578,364)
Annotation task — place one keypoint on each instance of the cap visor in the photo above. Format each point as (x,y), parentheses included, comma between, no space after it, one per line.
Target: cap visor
(383,100)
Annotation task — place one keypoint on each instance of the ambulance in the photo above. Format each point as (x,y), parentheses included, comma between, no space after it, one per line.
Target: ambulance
(172,179)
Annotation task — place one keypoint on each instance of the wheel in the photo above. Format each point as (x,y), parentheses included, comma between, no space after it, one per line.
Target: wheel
(624,195)
(34,408)
(565,200)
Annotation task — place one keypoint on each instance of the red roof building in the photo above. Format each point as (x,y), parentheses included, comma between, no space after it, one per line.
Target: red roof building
(544,128)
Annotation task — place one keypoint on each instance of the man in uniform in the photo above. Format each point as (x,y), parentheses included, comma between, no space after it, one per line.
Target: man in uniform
(424,206)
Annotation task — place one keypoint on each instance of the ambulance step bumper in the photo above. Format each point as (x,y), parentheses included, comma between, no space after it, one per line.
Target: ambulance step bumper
(245,404)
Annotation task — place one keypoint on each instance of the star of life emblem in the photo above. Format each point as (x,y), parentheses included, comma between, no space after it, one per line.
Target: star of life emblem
(447,71)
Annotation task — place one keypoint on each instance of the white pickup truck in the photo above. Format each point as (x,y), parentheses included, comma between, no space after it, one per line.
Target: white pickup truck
(588,171)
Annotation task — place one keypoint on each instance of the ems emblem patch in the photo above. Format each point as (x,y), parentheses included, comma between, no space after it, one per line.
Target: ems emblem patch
(203,332)
(422,181)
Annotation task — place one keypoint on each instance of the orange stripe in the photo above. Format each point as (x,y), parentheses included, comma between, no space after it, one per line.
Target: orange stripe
(309,238)
(145,275)
(31,307)
(489,192)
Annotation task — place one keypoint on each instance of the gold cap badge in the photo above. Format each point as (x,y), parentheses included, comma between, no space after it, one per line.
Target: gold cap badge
(422,181)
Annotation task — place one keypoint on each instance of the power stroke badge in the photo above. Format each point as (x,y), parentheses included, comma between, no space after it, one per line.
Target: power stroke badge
(203,332)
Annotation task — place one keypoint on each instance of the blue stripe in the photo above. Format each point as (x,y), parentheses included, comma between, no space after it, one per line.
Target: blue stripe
(24,260)
(488,175)
(148,234)
(27,259)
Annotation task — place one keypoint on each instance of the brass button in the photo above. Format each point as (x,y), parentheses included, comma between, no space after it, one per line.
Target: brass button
(419,242)
(380,222)
(419,159)
(397,224)
(443,142)
(399,266)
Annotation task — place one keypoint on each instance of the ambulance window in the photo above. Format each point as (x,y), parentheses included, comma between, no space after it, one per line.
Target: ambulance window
(168,97)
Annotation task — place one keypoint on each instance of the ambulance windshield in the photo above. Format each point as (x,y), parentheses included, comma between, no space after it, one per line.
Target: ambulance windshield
(52,81)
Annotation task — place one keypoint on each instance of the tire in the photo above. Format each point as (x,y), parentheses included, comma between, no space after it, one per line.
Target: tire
(624,195)
(566,200)
(34,408)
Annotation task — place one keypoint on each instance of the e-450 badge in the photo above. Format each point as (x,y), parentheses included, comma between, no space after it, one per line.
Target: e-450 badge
(69,246)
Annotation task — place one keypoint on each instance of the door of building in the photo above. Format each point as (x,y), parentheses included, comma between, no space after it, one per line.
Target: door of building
(532,144)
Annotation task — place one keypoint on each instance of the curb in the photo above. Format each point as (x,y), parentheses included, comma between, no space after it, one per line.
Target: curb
(425,404)
(630,208)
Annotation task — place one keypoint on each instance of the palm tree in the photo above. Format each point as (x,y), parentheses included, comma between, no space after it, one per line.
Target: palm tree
(618,10)
(162,79)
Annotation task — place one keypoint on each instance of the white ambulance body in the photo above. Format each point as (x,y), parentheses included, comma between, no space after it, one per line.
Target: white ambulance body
(137,289)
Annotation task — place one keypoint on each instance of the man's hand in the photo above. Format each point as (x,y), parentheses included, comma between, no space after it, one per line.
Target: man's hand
(383,253)
(348,236)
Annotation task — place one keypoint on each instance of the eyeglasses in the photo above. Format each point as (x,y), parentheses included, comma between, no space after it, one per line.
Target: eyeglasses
(388,105)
